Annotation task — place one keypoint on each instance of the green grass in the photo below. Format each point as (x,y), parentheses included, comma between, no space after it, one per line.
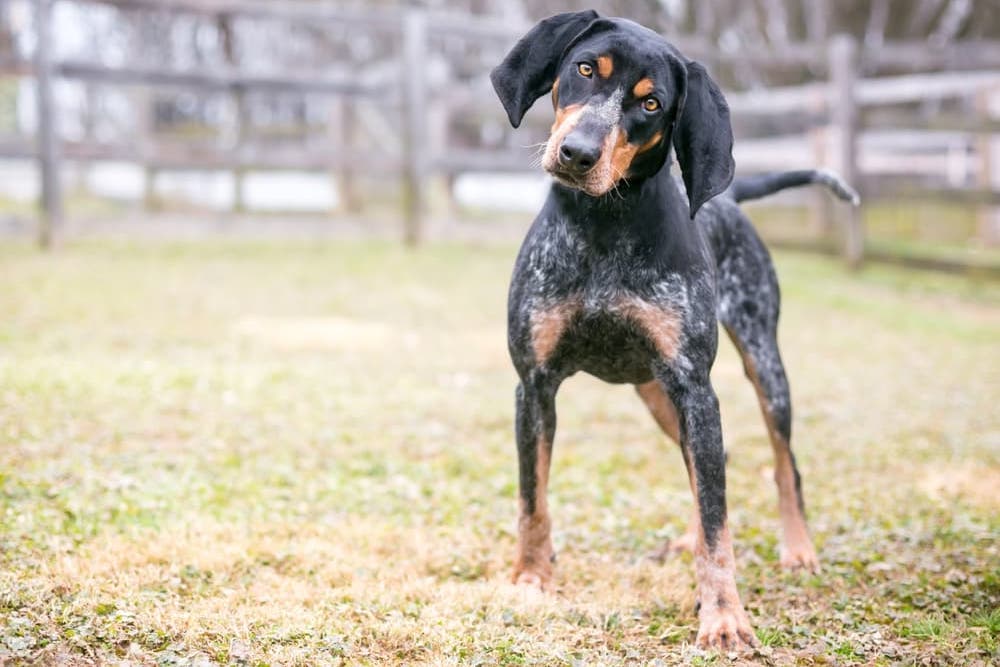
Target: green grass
(292,453)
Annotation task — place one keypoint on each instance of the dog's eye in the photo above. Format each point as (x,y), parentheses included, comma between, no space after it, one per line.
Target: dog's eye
(585,69)
(651,104)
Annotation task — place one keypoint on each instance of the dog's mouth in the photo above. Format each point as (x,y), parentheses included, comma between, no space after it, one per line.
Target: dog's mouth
(568,178)
(582,182)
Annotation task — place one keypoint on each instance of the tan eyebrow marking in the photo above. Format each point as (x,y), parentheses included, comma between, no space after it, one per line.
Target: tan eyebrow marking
(643,88)
(605,66)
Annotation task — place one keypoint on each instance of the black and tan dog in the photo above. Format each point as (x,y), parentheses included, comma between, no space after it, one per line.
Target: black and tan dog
(624,278)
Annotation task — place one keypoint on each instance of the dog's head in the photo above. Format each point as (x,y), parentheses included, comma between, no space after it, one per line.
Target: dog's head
(622,96)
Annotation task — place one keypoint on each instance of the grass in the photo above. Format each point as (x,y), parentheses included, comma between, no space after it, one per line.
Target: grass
(281,454)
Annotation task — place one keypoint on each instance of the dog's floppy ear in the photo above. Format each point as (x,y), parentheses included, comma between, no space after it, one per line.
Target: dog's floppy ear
(529,70)
(703,139)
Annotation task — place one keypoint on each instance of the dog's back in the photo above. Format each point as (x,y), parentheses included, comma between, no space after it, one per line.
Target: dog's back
(746,277)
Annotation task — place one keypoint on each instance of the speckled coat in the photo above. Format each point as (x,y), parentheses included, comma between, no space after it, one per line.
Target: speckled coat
(626,273)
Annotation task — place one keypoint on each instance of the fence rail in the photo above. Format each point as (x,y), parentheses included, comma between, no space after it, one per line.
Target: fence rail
(837,116)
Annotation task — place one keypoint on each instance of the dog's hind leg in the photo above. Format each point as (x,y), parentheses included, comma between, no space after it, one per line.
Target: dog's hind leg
(749,305)
(665,415)
(535,428)
(763,367)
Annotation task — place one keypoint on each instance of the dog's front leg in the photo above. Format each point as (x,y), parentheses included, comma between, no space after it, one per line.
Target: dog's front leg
(535,428)
(723,623)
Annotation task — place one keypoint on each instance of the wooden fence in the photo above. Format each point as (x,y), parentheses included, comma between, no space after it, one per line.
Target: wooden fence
(839,111)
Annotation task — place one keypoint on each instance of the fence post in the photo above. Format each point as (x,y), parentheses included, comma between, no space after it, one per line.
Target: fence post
(820,207)
(412,68)
(988,215)
(843,55)
(343,129)
(145,125)
(240,139)
(51,217)
(437,130)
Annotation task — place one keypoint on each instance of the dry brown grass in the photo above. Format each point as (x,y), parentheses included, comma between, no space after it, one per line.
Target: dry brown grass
(294,454)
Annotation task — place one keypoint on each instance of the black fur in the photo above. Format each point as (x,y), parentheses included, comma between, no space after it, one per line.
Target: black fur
(761,185)
(704,139)
(628,284)
(529,70)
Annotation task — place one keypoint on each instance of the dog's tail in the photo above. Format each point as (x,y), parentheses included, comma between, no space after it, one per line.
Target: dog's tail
(761,185)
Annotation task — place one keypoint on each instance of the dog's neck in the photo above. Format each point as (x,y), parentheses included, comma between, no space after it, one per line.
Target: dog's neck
(646,213)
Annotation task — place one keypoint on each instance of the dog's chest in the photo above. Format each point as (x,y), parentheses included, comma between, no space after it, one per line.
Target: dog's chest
(607,323)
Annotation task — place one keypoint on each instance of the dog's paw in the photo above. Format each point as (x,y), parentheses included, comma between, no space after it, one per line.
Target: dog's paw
(801,556)
(726,629)
(536,578)
(532,580)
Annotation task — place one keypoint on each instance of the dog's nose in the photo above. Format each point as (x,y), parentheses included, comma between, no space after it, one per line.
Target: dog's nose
(578,153)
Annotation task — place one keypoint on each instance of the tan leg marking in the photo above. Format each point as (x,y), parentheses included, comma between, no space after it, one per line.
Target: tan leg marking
(665,415)
(663,326)
(643,87)
(533,564)
(605,66)
(548,326)
(797,549)
(661,407)
(722,622)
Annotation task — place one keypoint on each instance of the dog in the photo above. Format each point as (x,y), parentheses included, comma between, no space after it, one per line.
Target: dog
(625,276)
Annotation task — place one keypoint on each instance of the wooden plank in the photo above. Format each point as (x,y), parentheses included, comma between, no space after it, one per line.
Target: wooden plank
(215,80)
(266,160)
(898,119)
(51,217)
(923,87)
(239,127)
(812,97)
(468,160)
(844,117)
(868,92)
(923,55)
(986,216)
(415,156)
(343,132)
(175,156)
(299,12)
